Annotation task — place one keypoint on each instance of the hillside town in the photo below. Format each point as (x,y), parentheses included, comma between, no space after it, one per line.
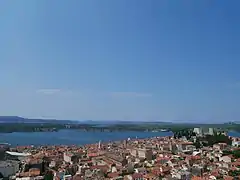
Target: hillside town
(155,158)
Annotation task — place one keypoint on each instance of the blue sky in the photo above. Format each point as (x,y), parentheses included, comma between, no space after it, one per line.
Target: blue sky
(120,60)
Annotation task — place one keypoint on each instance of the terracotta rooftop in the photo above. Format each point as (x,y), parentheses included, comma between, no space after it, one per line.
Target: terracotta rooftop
(113,175)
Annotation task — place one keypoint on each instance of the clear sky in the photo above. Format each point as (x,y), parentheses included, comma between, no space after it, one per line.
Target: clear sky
(120,60)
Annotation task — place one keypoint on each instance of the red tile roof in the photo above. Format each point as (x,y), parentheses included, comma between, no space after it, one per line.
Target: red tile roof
(113,175)
(137,175)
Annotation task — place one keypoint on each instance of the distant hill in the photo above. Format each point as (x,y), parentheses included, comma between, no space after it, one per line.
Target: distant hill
(119,122)
(16,119)
(10,119)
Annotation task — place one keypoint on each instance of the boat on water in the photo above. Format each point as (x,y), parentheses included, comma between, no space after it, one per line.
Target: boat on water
(164,130)
(161,130)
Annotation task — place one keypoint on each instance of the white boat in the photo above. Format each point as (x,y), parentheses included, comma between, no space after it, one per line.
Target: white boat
(163,130)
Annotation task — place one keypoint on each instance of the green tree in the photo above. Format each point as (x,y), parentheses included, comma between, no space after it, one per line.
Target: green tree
(48,176)
(197,144)
(234,173)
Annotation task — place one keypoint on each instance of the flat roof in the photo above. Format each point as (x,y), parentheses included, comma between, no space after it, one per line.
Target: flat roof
(17,153)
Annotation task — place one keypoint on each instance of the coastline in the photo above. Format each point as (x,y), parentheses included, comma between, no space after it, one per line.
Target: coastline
(69,137)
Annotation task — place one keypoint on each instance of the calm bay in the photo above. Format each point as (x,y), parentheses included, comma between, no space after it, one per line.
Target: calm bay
(70,137)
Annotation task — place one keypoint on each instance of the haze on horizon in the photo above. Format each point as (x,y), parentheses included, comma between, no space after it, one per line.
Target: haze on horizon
(120,60)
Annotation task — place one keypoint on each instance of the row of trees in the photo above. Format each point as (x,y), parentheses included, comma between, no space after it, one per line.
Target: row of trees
(207,140)
(210,140)
(235,153)
(28,127)
(188,133)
